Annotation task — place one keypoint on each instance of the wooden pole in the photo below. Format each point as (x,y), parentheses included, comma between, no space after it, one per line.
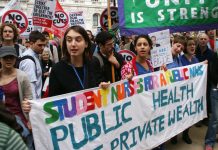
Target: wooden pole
(109,27)
(215,49)
(109,14)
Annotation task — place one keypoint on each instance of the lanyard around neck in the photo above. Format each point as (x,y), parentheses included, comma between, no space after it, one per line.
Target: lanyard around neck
(77,74)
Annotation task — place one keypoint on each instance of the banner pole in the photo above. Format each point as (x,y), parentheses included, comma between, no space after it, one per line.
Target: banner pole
(109,27)
(215,50)
(109,14)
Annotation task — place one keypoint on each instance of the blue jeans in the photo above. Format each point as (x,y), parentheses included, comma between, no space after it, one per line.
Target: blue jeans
(210,138)
(26,134)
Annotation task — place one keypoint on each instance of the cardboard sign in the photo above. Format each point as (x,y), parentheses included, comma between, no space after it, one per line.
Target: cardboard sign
(60,19)
(77,18)
(29,29)
(43,12)
(16,17)
(161,52)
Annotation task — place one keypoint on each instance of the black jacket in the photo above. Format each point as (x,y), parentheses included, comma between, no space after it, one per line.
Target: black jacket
(104,73)
(213,70)
(63,79)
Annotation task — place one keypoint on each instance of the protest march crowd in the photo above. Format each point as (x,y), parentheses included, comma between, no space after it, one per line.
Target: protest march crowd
(85,61)
(44,66)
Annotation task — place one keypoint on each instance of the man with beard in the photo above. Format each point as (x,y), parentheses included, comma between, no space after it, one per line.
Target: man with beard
(106,59)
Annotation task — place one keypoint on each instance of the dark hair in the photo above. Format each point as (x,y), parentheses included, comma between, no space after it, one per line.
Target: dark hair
(145,37)
(45,33)
(103,37)
(36,35)
(87,53)
(186,45)
(91,34)
(14,28)
(9,119)
(20,41)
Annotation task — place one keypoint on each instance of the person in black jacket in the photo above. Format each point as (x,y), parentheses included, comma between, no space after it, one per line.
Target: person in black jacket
(74,72)
(105,58)
(203,52)
(210,138)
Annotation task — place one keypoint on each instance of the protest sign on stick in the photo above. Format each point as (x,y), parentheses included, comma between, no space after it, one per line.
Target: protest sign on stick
(127,55)
(43,12)
(77,18)
(17,18)
(114,18)
(60,19)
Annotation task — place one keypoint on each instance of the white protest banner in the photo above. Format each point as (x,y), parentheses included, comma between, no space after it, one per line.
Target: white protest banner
(60,19)
(77,18)
(16,17)
(139,114)
(161,52)
(43,12)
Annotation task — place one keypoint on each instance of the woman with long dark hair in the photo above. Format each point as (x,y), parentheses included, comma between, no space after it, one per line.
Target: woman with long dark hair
(140,64)
(74,72)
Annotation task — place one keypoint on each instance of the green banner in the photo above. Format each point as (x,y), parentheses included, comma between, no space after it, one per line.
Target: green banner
(167,14)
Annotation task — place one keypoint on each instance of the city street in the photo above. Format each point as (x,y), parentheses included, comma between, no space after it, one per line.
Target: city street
(197,135)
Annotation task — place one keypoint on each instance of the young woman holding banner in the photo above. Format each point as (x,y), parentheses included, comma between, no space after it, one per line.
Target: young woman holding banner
(74,72)
(187,58)
(140,64)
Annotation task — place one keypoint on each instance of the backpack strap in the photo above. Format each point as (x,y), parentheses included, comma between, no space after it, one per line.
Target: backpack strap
(16,46)
(51,49)
(96,54)
(27,57)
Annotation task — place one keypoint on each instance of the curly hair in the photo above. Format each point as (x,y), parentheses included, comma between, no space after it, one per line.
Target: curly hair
(13,27)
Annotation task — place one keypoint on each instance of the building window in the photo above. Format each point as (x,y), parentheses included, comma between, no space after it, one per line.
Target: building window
(95,19)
